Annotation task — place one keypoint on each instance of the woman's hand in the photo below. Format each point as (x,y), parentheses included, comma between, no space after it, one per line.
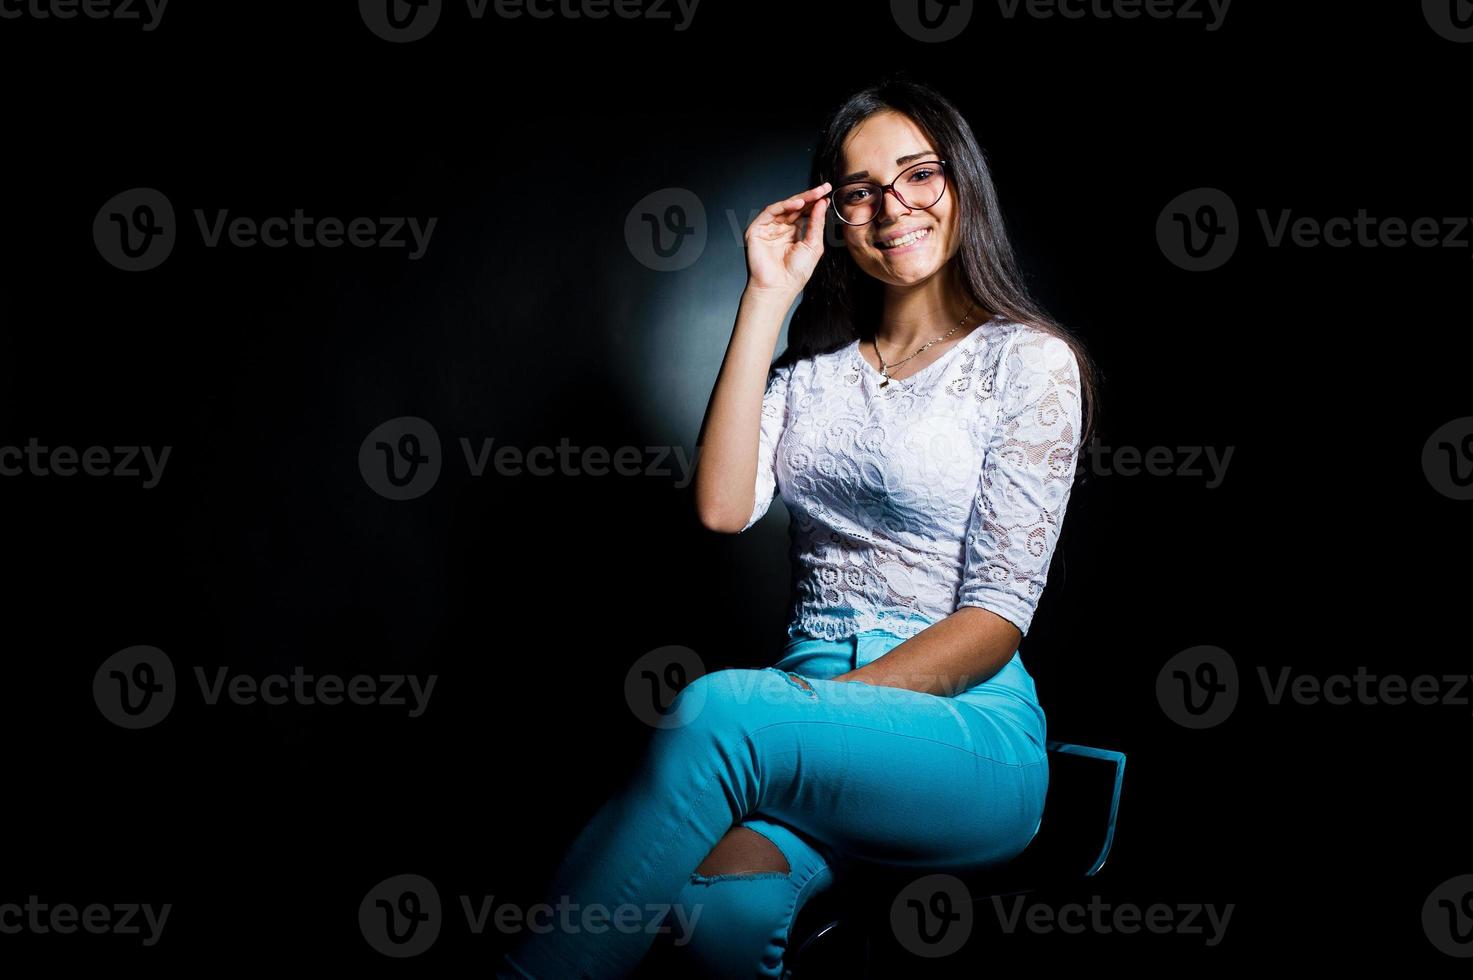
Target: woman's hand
(781,255)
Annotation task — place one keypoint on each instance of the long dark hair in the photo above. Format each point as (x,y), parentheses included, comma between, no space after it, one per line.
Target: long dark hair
(841,302)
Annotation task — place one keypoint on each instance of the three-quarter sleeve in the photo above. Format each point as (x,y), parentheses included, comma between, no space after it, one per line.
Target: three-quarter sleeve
(1027,474)
(774,419)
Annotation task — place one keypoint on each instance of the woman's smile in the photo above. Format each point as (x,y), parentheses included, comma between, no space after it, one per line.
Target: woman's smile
(906,242)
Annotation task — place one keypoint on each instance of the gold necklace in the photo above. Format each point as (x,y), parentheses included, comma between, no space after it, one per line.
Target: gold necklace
(885,368)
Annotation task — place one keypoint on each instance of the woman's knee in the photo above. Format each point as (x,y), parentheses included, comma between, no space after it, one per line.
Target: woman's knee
(734,924)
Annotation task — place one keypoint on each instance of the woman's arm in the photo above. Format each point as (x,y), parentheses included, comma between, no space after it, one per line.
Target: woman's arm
(783,246)
(946,657)
(726,449)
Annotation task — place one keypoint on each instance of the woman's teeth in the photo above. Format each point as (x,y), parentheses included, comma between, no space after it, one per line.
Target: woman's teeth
(914,236)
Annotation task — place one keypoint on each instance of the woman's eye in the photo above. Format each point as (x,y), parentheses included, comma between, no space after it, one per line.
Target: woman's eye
(922,175)
(854,195)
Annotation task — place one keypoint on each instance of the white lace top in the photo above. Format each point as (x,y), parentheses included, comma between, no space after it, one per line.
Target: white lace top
(946,488)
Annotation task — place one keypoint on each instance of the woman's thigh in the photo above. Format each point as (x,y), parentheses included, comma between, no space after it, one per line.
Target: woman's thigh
(872,773)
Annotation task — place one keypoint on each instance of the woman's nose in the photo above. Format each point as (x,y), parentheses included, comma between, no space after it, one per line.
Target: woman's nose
(898,208)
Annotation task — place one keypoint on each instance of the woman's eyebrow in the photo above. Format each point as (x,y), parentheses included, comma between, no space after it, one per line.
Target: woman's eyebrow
(861,174)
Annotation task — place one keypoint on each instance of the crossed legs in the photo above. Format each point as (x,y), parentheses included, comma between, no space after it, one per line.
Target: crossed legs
(820,768)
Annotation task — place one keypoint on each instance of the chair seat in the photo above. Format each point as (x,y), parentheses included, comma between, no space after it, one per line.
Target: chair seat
(843,930)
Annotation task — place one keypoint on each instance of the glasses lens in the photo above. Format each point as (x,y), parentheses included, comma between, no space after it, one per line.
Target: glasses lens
(921,185)
(856,203)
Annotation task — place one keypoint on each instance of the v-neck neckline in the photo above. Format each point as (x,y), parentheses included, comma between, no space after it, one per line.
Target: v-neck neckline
(946,357)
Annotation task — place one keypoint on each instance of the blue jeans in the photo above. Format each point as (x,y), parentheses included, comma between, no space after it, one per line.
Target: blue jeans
(834,773)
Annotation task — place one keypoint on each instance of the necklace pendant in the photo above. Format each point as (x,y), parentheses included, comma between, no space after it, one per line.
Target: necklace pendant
(886,381)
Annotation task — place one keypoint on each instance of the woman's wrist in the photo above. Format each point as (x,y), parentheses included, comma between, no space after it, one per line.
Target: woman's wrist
(773,295)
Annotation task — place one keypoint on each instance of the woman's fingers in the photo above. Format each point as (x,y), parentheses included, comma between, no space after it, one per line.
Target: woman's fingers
(813,237)
(800,201)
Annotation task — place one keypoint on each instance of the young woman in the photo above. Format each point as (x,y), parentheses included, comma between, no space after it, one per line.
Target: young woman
(923,428)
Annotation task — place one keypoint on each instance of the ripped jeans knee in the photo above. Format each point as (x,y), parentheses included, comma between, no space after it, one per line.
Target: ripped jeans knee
(699,878)
(797,681)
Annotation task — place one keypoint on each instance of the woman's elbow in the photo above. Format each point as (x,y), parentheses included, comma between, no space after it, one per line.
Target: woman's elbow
(721,519)
(723,522)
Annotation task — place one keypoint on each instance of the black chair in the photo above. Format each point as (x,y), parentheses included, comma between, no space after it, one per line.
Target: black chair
(845,931)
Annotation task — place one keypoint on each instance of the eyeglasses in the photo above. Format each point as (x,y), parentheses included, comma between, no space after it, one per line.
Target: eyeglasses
(857,202)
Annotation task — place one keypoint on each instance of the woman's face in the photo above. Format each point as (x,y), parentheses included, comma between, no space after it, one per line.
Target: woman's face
(877,150)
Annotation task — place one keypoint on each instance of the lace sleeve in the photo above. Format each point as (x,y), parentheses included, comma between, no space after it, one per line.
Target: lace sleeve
(774,419)
(1027,474)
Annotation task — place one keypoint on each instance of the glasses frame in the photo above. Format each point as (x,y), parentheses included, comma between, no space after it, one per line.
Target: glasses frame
(890,188)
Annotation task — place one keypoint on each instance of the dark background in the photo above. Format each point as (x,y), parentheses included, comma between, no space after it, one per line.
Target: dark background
(529,320)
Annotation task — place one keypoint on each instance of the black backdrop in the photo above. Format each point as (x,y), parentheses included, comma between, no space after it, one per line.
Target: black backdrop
(531,317)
